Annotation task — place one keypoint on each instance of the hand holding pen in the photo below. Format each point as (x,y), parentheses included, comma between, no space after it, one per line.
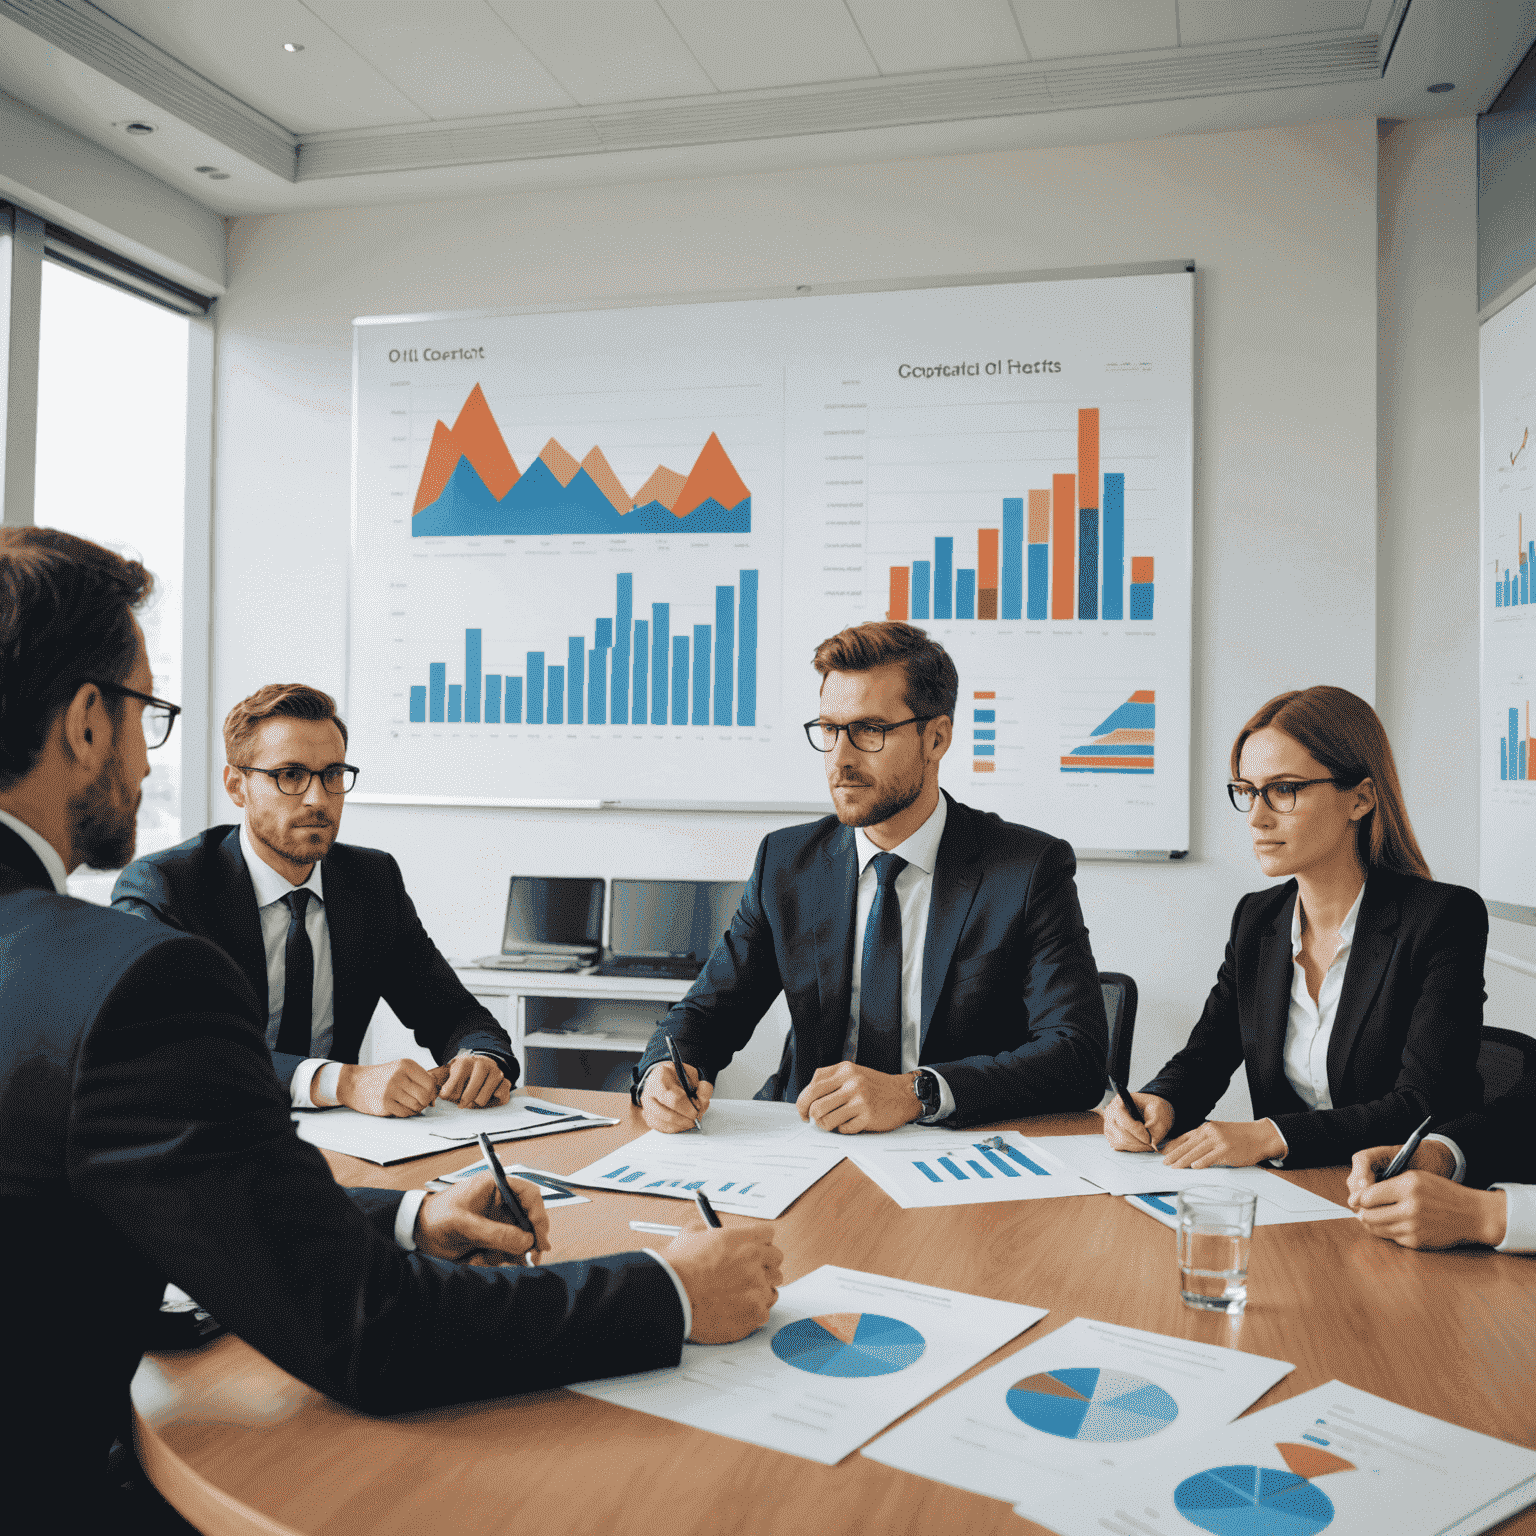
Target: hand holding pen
(674,1100)
(511,1204)
(1136,1122)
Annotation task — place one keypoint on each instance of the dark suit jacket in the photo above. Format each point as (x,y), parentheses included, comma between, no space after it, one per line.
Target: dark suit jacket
(1405,1036)
(144,1138)
(1012,1013)
(378,946)
(1499,1141)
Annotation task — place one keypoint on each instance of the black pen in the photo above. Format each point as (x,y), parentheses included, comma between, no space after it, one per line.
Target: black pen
(1132,1109)
(682,1077)
(706,1210)
(1407,1150)
(513,1204)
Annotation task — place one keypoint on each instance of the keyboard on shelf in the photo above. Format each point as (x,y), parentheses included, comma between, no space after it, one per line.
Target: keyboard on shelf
(667,970)
(551,963)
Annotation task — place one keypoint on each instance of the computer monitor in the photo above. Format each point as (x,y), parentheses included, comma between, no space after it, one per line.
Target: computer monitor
(553,916)
(671,918)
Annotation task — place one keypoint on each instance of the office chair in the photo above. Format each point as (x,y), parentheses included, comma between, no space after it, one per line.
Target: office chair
(1120,1010)
(1504,1057)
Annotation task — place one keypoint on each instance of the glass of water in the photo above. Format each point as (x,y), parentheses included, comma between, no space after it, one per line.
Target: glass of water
(1215,1235)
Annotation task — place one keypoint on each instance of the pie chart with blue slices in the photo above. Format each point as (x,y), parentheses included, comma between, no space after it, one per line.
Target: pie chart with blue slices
(849,1344)
(1250,1500)
(1087,1403)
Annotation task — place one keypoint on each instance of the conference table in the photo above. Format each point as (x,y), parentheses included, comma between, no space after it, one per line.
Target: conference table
(240,1446)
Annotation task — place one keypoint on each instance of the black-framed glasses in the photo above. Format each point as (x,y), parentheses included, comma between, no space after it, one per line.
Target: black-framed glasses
(159,716)
(291,779)
(1280,797)
(864,735)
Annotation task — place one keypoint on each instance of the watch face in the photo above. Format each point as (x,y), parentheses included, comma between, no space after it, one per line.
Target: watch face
(927,1090)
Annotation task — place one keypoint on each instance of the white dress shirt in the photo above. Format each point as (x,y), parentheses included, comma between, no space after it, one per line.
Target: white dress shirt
(1519,1204)
(1309,1026)
(42,848)
(914,893)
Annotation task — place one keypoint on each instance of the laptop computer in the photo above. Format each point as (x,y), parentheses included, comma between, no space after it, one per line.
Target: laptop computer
(667,928)
(551,925)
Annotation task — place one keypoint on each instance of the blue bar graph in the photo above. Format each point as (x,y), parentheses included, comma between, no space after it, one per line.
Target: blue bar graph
(642,666)
(1039,580)
(1114,546)
(680,679)
(437,685)
(725,660)
(472,675)
(575,678)
(922,578)
(535,687)
(661,618)
(943,578)
(623,623)
(977,1169)
(746,659)
(1088,563)
(514,715)
(557,695)
(927,1172)
(997,1162)
(455,703)
(418,704)
(946,1163)
(1011,599)
(965,594)
(701,674)
(493,698)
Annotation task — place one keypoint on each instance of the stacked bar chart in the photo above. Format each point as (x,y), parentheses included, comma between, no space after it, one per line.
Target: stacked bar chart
(1517,757)
(1064,561)
(1512,583)
(984,731)
(628,671)
(1121,743)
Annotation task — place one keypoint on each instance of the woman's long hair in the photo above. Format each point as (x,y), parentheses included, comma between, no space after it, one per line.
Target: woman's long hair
(1345,735)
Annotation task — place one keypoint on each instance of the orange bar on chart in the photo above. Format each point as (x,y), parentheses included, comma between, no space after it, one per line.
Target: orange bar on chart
(1141,569)
(1088,457)
(1039,517)
(1063,545)
(986,573)
(901,576)
(991,694)
(983,765)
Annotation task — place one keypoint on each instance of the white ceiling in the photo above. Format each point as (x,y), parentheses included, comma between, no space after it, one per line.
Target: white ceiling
(390,100)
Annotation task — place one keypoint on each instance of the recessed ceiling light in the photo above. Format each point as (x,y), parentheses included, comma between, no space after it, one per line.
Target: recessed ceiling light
(1441,88)
(205,170)
(218,176)
(293,47)
(138,130)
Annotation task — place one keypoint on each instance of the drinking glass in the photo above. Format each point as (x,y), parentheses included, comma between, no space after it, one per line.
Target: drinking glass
(1215,1236)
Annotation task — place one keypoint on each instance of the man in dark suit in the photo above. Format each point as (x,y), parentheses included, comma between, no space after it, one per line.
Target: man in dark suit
(1471,1181)
(145,1139)
(934,958)
(280,895)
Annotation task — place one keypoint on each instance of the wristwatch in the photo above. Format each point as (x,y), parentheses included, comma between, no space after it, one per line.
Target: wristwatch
(926,1086)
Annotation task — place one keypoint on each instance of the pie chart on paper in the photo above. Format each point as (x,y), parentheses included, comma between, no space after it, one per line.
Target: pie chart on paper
(1086,1403)
(849,1344)
(1251,1500)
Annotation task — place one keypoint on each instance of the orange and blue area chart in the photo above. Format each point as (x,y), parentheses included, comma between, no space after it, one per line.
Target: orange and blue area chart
(1122,743)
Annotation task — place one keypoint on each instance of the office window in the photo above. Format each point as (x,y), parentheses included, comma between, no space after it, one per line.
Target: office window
(111,466)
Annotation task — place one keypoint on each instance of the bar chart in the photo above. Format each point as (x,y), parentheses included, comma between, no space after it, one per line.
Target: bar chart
(1062,560)
(984,730)
(628,671)
(1512,583)
(1517,756)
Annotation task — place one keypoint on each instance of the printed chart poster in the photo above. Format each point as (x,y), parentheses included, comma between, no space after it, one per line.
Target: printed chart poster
(594,551)
(1508,604)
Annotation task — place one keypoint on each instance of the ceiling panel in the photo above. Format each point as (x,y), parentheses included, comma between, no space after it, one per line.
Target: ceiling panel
(1238,21)
(453,58)
(1075,29)
(240,48)
(607,50)
(766,43)
(907,37)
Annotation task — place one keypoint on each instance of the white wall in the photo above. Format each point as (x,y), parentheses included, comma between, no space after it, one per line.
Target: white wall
(1282,224)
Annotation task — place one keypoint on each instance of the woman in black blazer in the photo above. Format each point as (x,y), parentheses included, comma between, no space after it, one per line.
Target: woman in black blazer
(1353,993)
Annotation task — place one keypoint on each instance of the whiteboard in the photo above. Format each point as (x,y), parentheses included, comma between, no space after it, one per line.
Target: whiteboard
(594,550)
(1507,603)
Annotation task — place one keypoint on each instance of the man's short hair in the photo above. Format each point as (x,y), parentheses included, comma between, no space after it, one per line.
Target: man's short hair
(66,618)
(291,701)
(933,685)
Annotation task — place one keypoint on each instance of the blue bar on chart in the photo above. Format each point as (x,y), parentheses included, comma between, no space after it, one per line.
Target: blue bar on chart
(418,704)
(1088,562)
(661,648)
(1039,555)
(514,715)
(575,678)
(597,673)
(472,676)
(493,698)
(535,676)
(922,577)
(1141,589)
(1114,546)
(642,668)
(746,658)
(725,660)
(997,1162)
(984,731)
(455,703)
(943,578)
(701,674)
(949,1167)
(623,629)
(965,594)
(437,687)
(680,680)
(1012,599)
(556,677)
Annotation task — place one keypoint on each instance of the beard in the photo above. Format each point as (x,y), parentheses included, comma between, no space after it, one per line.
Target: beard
(298,845)
(895,799)
(103,820)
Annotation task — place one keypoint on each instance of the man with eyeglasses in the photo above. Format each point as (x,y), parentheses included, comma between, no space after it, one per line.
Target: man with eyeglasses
(322,929)
(933,957)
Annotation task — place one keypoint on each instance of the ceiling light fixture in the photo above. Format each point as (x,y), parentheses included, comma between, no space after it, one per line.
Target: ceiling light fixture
(138,130)
(1441,88)
(293,47)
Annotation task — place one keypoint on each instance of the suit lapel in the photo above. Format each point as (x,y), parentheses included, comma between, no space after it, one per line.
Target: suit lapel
(1272,978)
(239,921)
(832,932)
(343,919)
(1369,955)
(956,874)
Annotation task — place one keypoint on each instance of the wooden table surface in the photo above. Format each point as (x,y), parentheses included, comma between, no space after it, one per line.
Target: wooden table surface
(240,1446)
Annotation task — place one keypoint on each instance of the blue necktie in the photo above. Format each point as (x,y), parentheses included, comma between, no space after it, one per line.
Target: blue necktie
(293,1034)
(880,972)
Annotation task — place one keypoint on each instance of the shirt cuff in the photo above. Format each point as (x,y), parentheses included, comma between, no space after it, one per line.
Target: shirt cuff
(682,1294)
(305,1092)
(405,1218)
(1519,1218)
(946,1101)
(1461,1162)
(1276,1162)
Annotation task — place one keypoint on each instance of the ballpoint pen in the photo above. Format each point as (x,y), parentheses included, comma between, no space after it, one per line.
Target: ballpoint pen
(682,1077)
(706,1210)
(1132,1108)
(1406,1151)
(513,1204)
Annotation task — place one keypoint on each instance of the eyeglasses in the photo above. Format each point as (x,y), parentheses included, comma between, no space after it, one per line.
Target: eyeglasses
(1279,797)
(293,780)
(159,716)
(864,735)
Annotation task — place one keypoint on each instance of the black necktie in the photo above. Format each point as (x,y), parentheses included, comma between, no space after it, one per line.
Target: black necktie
(293,1033)
(880,972)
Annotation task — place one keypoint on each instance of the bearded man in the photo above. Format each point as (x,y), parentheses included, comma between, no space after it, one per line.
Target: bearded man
(934,957)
